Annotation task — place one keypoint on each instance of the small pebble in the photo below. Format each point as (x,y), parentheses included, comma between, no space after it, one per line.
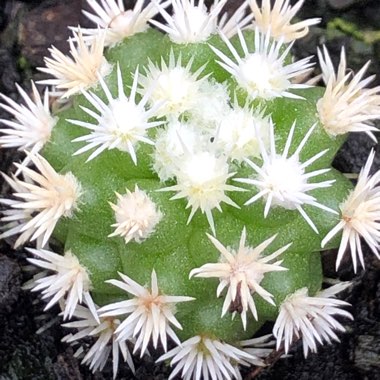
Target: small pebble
(341,4)
(367,353)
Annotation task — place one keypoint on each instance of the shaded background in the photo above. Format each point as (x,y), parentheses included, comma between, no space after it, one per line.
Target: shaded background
(27,29)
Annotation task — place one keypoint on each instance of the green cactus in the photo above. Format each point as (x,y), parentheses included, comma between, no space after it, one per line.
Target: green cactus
(188,180)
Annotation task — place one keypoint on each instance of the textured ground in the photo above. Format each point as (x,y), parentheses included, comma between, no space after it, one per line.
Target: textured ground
(27,28)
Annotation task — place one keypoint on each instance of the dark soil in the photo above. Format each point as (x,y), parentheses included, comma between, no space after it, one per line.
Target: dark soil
(27,28)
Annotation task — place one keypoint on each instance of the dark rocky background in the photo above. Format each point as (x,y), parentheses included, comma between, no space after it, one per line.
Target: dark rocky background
(27,28)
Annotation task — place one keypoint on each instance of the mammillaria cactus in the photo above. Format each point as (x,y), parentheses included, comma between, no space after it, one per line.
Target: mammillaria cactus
(187,178)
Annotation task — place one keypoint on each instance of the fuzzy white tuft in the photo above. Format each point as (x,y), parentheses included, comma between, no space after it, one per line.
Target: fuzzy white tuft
(211,106)
(277,19)
(81,70)
(310,318)
(136,216)
(347,105)
(175,88)
(190,23)
(170,149)
(70,281)
(282,180)
(121,123)
(237,136)
(150,313)
(118,22)
(242,271)
(102,329)
(39,201)
(201,357)
(202,180)
(32,124)
(263,72)
(359,217)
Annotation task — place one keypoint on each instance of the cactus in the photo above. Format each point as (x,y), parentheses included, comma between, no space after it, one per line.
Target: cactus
(187,180)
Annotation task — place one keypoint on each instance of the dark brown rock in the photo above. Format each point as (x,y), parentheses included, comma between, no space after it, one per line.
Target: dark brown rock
(342,4)
(10,278)
(45,26)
